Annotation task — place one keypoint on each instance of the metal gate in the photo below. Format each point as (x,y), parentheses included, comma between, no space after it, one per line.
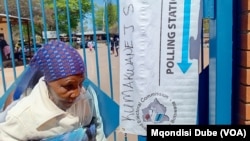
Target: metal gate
(55,20)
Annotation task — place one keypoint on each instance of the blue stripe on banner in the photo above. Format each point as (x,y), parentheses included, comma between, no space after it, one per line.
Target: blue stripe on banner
(184,65)
(159,117)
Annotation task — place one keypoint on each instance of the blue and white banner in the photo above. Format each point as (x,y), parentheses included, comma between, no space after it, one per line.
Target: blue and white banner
(159,47)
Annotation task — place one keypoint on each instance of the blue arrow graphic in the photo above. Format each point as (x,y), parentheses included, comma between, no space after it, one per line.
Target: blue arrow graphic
(184,64)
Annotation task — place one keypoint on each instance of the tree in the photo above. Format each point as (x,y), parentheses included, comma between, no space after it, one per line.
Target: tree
(24,13)
(112,14)
(73,10)
(49,12)
(23,5)
(100,18)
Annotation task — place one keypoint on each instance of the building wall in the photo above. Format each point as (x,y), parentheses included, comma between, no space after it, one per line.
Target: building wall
(4,30)
(244,63)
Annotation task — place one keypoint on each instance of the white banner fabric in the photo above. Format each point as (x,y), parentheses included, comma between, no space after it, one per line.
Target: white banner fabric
(159,52)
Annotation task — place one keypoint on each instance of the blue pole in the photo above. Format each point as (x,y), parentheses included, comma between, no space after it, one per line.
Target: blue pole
(32,25)
(82,35)
(68,18)
(118,14)
(12,54)
(56,19)
(108,50)
(10,38)
(21,33)
(44,21)
(220,63)
(96,47)
(142,138)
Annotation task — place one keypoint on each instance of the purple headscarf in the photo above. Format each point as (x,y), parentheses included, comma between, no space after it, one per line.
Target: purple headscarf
(57,60)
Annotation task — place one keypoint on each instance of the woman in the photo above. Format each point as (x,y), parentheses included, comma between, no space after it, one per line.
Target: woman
(57,103)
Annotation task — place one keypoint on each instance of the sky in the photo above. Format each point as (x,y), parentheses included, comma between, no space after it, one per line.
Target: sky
(100,3)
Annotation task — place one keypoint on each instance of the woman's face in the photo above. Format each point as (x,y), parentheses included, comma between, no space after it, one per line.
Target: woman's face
(63,92)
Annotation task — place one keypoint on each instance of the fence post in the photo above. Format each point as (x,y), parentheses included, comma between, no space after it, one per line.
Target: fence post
(220,63)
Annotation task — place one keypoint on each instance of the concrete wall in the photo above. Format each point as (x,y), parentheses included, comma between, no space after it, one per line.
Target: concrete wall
(4,30)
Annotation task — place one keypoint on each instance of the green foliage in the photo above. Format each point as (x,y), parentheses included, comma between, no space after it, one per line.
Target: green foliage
(111,13)
(49,12)
(73,13)
(100,18)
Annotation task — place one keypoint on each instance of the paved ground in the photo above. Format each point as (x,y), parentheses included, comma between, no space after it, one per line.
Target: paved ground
(92,74)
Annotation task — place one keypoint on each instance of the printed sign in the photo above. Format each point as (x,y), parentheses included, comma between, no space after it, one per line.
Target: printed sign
(49,34)
(159,47)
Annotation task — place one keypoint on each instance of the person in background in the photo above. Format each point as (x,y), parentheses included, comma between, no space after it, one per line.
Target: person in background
(116,44)
(90,45)
(53,101)
(112,45)
(5,48)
